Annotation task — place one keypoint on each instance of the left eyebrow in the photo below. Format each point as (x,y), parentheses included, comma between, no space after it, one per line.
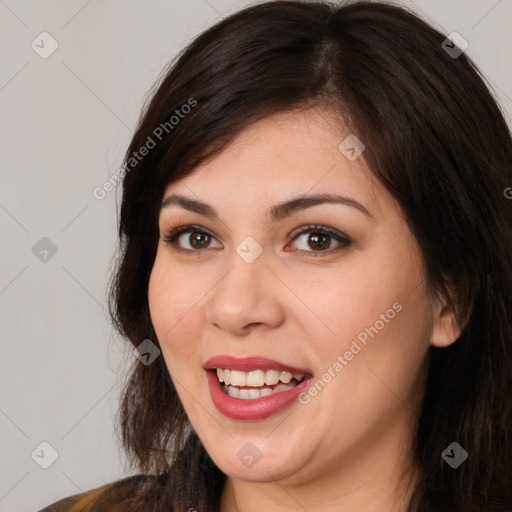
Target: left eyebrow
(275,214)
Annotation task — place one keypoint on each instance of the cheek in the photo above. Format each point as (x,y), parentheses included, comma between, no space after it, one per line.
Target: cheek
(159,299)
(341,304)
(375,311)
(173,306)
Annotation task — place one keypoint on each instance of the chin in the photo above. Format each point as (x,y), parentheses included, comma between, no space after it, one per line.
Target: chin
(249,463)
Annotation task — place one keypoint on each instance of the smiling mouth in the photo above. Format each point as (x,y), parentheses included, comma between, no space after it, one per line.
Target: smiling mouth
(256,383)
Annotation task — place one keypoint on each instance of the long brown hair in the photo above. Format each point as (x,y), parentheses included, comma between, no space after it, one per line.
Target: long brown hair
(434,136)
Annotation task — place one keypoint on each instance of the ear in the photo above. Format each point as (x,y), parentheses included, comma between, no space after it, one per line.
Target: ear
(446,329)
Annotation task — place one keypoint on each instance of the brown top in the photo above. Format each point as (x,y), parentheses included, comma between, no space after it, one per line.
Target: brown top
(101,499)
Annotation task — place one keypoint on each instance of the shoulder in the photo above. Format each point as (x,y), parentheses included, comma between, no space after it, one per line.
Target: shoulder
(104,497)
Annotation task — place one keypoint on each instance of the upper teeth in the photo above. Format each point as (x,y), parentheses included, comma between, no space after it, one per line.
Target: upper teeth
(256,378)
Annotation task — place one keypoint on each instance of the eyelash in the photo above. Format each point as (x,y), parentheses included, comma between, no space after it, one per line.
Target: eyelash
(174,232)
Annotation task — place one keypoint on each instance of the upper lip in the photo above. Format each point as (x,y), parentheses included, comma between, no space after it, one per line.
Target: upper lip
(251,363)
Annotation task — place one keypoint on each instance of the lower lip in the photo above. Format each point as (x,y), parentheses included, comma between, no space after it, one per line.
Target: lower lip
(255,408)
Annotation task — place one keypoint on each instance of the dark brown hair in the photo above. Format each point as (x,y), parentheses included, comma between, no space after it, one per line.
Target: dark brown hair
(435,138)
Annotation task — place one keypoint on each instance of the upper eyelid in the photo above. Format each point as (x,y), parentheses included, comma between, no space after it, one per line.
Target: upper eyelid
(338,235)
(185,228)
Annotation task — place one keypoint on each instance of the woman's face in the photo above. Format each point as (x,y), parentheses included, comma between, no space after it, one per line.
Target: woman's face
(354,313)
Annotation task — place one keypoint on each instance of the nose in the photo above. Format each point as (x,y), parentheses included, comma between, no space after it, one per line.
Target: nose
(245,298)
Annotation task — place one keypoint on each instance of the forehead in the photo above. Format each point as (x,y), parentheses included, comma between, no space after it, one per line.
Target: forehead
(282,156)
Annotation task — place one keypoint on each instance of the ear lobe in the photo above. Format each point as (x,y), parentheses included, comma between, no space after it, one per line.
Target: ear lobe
(446,327)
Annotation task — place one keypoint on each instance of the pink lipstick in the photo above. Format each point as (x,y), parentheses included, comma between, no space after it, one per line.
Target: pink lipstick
(253,408)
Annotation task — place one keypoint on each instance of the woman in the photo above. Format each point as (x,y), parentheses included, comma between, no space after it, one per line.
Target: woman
(315,271)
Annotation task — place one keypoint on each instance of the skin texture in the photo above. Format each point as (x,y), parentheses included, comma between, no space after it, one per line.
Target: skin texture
(347,448)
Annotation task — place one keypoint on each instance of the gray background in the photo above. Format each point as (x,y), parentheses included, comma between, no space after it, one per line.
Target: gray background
(66,121)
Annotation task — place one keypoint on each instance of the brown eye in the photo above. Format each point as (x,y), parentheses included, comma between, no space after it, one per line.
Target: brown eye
(199,240)
(195,238)
(318,239)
